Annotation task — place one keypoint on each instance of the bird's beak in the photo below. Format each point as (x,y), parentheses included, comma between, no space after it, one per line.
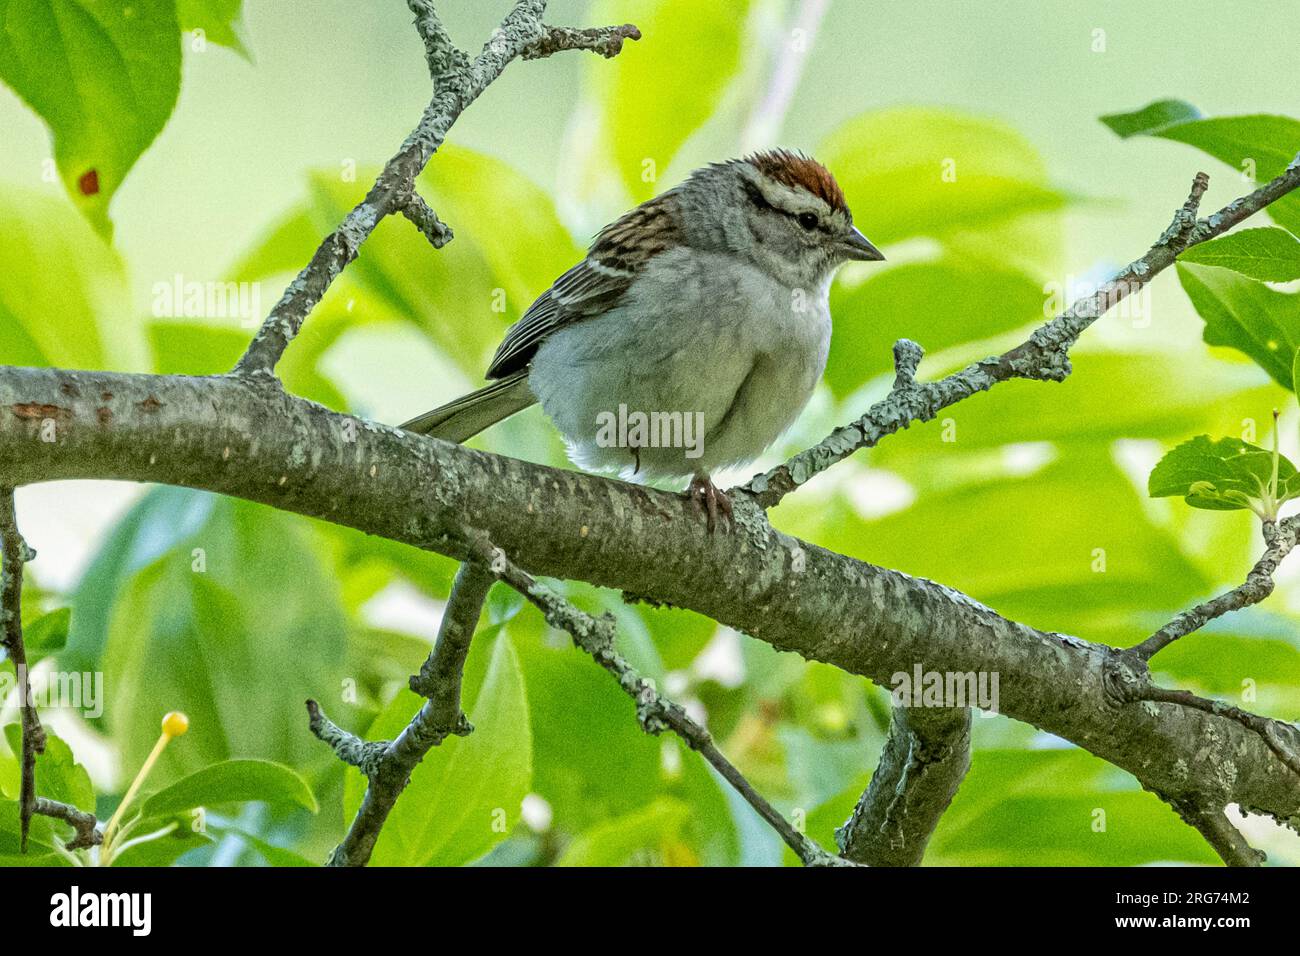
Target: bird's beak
(859,247)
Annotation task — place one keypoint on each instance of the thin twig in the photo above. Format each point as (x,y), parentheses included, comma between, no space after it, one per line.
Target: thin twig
(1280,539)
(1044,356)
(441,54)
(387,764)
(86,825)
(606,41)
(365,755)
(1127,677)
(458,81)
(14,554)
(426,220)
(654,712)
(440,676)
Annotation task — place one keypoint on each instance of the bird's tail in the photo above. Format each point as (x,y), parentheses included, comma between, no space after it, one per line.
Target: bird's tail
(468,415)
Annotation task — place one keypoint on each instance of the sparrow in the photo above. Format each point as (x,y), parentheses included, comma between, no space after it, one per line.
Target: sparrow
(692,334)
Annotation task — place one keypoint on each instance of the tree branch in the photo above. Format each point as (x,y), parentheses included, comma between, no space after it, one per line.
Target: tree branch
(1280,539)
(458,82)
(1043,356)
(250,439)
(654,712)
(426,220)
(924,761)
(1129,678)
(441,54)
(86,825)
(1226,839)
(607,41)
(14,554)
(387,765)
(243,435)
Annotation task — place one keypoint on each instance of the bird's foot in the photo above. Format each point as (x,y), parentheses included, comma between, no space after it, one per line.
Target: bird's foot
(710,499)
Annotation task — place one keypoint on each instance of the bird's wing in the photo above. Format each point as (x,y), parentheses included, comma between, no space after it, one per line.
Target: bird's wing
(595,285)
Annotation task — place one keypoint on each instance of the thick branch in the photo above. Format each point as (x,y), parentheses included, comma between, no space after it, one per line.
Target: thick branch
(387,765)
(1043,356)
(654,712)
(244,436)
(458,82)
(924,761)
(14,554)
(1280,540)
(1283,738)
(250,439)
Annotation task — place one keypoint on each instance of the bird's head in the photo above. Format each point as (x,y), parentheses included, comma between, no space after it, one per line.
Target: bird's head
(782,210)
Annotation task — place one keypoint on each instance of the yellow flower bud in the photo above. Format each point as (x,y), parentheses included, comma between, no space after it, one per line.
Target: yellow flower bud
(175,724)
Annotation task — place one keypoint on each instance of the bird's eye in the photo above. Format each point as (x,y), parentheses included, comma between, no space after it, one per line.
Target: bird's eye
(808,220)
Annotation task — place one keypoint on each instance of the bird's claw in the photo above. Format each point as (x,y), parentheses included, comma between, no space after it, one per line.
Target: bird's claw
(710,499)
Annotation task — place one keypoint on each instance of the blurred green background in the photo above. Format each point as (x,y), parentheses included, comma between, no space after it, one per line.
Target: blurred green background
(967,139)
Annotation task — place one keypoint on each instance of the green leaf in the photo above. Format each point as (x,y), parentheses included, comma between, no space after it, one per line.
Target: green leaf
(970,182)
(961,301)
(59,285)
(30,859)
(235,622)
(640,836)
(232,781)
(59,776)
(41,836)
(157,523)
(1110,560)
(1265,655)
(1268,253)
(47,634)
(661,83)
(165,848)
(1065,830)
(1246,315)
(1221,474)
(1084,411)
(509,246)
(9,772)
(1151,118)
(464,797)
(190,348)
(1042,807)
(1295,373)
(272,854)
(572,703)
(1262,145)
(220,20)
(103,75)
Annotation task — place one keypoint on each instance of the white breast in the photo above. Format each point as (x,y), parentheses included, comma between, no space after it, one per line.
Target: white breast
(698,335)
